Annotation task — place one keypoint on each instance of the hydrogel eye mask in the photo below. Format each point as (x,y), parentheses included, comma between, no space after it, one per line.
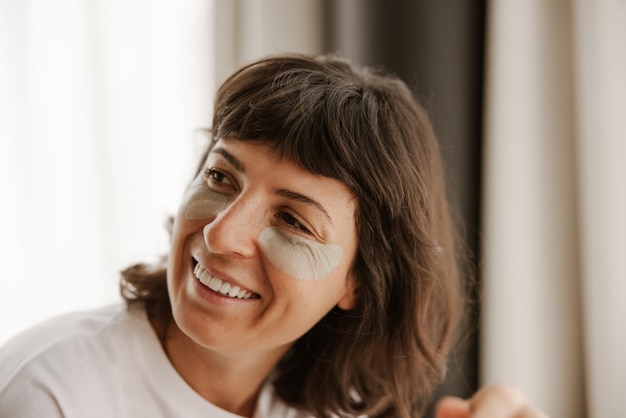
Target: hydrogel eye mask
(298,257)
(200,202)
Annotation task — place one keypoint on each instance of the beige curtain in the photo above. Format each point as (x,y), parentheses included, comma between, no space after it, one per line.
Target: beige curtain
(554,294)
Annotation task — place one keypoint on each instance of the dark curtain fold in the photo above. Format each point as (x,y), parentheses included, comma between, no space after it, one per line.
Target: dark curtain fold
(437,48)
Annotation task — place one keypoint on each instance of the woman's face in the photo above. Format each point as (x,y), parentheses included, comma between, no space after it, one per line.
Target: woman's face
(261,250)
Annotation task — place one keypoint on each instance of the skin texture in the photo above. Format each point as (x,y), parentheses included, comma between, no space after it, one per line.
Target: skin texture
(225,347)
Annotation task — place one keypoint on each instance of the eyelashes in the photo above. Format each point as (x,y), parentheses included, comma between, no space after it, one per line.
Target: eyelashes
(217,178)
(293,223)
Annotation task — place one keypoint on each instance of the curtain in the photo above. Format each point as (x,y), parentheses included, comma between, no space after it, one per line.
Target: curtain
(554,292)
(99,105)
(246,30)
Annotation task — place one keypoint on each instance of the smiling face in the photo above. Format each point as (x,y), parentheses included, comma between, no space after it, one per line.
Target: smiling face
(261,250)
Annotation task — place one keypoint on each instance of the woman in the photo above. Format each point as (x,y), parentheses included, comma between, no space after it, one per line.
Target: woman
(312,271)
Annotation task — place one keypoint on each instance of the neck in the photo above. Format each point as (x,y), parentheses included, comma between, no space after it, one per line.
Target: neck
(228,379)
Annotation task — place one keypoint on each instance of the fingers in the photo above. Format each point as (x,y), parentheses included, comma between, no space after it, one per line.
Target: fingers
(496,401)
(452,407)
(532,413)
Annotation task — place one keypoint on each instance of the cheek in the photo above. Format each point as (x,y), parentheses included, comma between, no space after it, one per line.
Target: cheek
(299,257)
(200,202)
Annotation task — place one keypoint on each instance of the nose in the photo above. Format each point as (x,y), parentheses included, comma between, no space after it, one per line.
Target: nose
(235,229)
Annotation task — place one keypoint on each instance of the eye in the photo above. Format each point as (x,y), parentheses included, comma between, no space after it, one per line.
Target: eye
(293,223)
(217,180)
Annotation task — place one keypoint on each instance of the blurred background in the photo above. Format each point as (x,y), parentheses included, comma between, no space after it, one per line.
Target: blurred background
(101,104)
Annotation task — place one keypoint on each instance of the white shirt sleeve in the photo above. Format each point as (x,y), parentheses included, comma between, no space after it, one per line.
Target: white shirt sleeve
(28,398)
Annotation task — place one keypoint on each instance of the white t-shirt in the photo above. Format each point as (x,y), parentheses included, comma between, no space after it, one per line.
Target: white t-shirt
(103,363)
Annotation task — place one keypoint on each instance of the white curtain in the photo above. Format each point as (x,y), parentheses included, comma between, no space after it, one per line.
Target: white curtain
(554,292)
(250,29)
(99,106)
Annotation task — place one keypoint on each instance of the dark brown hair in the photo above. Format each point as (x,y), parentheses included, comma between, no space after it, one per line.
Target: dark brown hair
(365,129)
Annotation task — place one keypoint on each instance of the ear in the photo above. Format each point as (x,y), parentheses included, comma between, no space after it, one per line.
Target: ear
(348,301)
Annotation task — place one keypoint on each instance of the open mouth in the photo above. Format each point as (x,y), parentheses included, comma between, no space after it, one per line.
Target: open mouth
(221,286)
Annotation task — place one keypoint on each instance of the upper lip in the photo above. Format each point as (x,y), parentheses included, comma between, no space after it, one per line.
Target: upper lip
(221,275)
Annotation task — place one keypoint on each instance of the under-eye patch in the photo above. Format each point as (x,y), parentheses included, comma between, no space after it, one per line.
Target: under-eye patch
(200,202)
(299,257)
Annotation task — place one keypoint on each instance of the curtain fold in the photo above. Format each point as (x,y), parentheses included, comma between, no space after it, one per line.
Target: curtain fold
(600,62)
(554,288)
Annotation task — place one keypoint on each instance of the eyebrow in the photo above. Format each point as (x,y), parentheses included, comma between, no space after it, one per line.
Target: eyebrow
(230,158)
(304,199)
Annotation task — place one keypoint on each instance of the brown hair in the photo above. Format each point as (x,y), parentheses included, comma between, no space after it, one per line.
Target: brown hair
(385,356)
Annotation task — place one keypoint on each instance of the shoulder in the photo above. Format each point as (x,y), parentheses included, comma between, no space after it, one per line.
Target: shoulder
(47,363)
(72,332)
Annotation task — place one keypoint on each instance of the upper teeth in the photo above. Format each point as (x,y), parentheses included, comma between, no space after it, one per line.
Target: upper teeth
(219,285)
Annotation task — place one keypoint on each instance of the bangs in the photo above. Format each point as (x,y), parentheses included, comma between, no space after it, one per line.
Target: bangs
(302,116)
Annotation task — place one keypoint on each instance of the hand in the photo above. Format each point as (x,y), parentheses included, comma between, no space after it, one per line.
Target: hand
(490,402)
